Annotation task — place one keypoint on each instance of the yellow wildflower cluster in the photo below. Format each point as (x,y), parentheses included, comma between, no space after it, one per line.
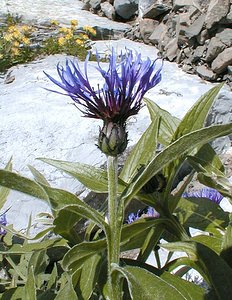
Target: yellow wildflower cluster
(90,29)
(16,36)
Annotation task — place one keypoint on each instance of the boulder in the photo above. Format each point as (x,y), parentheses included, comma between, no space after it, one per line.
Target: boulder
(171,49)
(217,10)
(205,73)
(196,27)
(155,10)
(222,61)
(214,48)
(95,4)
(126,8)
(177,4)
(144,5)
(108,10)
(158,34)
(225,36)
(199,53)
(147,27)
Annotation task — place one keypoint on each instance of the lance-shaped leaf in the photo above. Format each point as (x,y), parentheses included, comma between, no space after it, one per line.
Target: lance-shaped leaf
(145,285)
(93,178)
(168,123)
(78,254)
(38,176)
(22,184)
(30,287)
(61,199)
(195,117)
(142,152)
(201,213)
(4,192)
(181,146)
(217,270)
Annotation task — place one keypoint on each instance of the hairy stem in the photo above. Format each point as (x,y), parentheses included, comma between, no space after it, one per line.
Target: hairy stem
(115,228)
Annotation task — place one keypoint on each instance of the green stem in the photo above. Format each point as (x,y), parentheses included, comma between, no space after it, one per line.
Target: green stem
(115,227)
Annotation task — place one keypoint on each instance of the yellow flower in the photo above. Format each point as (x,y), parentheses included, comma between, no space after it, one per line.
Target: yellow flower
(25,28)
(17,34)
(69,36)
(85,36)
(15,51)
(61,41)
(16,44)
(25,40)
(90,29)
(74,22)
(79,42)
(8,37)
(11,28)
(54,22)
(64,30)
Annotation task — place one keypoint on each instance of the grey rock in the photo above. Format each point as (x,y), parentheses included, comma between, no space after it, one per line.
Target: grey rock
(205,73)
(108,10)
(156,10)
(229,16)
(144,5)
(199,53)
(214,48)
(221,113)
(196,27)
(158,34)
(225,36)
(177,4)
(203,36)
(222,61)
(217,10)
(171,49)
(229,69)
(126,8)
(95,4)
(147,27)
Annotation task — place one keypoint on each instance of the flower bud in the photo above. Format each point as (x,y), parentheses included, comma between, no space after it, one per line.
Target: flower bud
(112,139)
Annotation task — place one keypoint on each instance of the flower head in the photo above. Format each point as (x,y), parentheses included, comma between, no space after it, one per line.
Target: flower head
(147,212)
(208,193)
(2,222)
(125,82)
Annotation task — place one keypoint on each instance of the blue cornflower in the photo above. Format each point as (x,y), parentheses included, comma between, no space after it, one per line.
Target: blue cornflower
(208,193)
(2,222)
(145,213)
(125,82)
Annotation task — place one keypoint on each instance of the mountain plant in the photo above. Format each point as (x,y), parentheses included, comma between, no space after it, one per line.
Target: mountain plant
(84,252)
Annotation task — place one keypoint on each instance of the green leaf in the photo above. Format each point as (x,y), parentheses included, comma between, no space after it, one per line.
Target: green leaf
(226,250)
(168,123)
(78,254)
(84,173)
(133,234)
(39,262)
(4,192)
(212,242)
(181,146)
(13,294)
(195,117)
(67,292)
(201,213)
(29,248)
(52,282)
(61,199)
(30,288)
(38,176)
(89,274)
(22,184)
(145,285)
(142,152)
(217,270)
